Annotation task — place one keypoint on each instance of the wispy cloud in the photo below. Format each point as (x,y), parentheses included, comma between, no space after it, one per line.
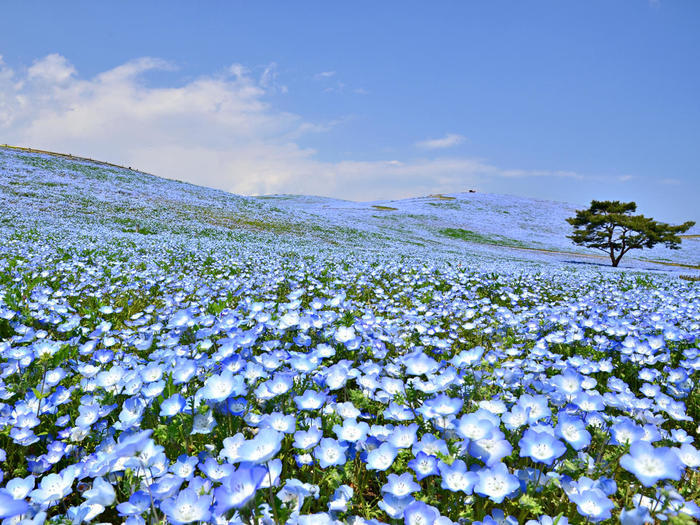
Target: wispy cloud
(324,74)
(217,130)
(448,141)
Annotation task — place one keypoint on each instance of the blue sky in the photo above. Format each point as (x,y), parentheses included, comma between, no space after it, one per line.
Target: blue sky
(369,100)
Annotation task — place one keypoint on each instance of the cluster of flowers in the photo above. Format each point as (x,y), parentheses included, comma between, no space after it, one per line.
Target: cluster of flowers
(150,378)
(231,390)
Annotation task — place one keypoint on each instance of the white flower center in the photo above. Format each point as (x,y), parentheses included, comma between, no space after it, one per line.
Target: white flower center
(186,511)
(652,466)
(541,450)
(495,485)
(590,508)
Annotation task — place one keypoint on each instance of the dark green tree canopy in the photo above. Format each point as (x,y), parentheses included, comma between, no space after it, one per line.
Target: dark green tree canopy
(611,227)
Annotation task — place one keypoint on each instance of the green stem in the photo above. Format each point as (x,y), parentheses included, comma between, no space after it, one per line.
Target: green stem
(41,395)
(271,496)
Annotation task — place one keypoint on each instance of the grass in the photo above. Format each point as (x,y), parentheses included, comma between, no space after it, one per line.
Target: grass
(441,196)
(448,205)
(384,208)
(479,238)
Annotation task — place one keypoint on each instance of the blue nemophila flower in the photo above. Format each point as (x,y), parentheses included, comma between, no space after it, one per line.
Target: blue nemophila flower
(340,499)
(592,504)
(166,486)
(84,512)
(400,486)
(431,445)
(456,478)
(54,376)
(53,487)
(19,488)
(568,383)
(306,439)
(220,387)
(496,483)
(237,405)
(238,488)
(344,334)
(262,448)
(473,426)
(131,413)
(541,447)
(138,502)
(87,415)
(295,492)
(573,430)
(403,436)
(517,417)
(347,410)
(497,517)
(272,478)
(636,516)
(110,379)
(689,455)
(310,400)
(537,406)
(203,423)
(443,405)
(394,506)
(382,457)
(398,412)
(183,371)
(492,448)
(11,507)
(172,406)
(101,493)
(330,452)
(337,375)
(231,448)
(351,430)
(214,470)
(420,513)
(420,364)
(650,464)
(279,422)
(187,507)
(129,443)
(424,465)
(625,432)
(185,466)
(303,459)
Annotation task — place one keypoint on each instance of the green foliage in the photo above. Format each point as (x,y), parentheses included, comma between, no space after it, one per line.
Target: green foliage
(609,226)
(470,236)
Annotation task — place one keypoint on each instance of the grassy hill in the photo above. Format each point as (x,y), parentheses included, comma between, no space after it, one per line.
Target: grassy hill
(61,193)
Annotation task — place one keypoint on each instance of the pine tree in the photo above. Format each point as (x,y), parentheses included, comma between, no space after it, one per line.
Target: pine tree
(611,227)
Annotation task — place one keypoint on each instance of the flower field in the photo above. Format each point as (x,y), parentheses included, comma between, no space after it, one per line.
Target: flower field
(181,378)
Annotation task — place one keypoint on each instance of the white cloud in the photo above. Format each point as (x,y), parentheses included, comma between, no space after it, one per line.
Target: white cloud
(216,130)
(324,74)
(448,141)
(52,68)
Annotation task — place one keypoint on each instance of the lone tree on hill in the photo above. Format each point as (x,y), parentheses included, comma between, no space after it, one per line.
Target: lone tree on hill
(610,226)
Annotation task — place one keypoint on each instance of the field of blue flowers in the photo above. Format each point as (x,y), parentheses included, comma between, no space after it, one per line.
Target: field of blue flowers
(155,378)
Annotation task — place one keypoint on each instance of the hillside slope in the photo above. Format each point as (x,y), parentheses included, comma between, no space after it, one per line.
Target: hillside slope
(61,194)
